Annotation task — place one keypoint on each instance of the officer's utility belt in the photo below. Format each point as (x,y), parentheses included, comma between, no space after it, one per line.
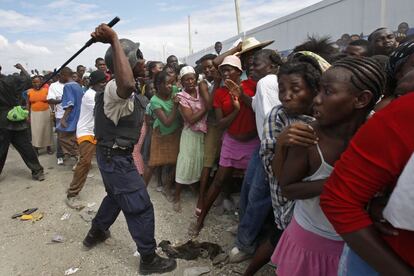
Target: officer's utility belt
(109,152)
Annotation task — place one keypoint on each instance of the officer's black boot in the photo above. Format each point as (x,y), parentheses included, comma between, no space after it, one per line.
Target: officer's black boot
(153,263)
(95,236)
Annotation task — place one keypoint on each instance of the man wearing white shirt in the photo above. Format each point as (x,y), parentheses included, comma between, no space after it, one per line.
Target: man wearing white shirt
(255,200)
(54,97)
(86,138)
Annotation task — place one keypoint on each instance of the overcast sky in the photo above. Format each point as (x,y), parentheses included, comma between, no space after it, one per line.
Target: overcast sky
(43,34)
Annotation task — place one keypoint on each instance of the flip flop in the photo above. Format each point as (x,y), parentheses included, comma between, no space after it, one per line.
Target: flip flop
(25,212)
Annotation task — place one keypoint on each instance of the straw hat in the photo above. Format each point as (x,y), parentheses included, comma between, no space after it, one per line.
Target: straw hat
(251,43)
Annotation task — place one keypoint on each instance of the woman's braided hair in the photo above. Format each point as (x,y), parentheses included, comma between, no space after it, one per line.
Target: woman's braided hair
(367,74)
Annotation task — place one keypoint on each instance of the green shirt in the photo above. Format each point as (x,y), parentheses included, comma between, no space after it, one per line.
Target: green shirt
(166,106)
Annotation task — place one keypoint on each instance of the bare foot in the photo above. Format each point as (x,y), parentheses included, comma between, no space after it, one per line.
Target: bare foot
(177,207)
(168,195)
(194,230)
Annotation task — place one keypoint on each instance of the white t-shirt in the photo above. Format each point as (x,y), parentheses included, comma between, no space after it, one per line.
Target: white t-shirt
(86,120)
(267,97)
(400,208)
(114,106)
(55,93)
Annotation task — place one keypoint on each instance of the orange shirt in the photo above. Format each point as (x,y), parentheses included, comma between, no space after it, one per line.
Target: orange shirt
(37,99)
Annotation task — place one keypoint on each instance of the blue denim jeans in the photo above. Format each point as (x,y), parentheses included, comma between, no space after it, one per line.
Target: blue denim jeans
(351,264)
(126,192)
(255,204)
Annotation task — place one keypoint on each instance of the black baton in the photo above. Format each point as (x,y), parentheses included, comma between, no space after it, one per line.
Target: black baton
(87,44)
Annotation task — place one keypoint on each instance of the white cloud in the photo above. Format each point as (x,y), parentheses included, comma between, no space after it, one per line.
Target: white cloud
(32,49)
(3,42)
(15,21)
(22,52)
(217,21)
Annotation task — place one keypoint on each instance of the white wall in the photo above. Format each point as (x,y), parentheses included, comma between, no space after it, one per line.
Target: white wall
(329,17)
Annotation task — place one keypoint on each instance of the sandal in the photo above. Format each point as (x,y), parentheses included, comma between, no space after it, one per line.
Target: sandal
(25,212)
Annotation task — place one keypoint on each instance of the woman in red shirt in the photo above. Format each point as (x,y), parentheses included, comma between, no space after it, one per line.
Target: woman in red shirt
(232,104)
(372,163)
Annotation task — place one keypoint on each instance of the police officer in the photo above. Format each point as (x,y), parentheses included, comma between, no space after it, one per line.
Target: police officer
(118,119)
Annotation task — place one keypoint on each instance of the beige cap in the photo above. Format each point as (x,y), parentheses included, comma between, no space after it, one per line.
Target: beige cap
(232,61)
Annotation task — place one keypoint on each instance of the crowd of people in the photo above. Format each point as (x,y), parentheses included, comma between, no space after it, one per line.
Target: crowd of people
(322,140)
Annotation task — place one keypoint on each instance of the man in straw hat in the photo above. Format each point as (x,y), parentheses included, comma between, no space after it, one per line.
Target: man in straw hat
(245,50)
(118,120)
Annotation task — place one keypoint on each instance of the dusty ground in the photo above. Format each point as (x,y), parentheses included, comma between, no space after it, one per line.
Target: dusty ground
(26,248)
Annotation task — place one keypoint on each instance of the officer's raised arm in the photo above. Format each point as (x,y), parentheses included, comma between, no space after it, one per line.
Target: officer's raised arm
(124,77)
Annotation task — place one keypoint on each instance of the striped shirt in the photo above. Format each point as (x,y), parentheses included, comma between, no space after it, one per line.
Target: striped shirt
(274,124)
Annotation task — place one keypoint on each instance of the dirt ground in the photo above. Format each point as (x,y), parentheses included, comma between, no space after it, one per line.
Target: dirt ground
(26,248)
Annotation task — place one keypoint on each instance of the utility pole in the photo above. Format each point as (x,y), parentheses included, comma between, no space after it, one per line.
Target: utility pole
(239,27)
(190,48)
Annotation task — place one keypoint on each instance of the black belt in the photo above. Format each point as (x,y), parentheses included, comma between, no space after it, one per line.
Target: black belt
(109,152)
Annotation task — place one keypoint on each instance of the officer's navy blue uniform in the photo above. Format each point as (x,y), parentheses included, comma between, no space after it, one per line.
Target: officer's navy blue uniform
(126,190)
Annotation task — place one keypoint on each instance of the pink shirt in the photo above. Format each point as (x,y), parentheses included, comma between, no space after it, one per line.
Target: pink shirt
(195,104)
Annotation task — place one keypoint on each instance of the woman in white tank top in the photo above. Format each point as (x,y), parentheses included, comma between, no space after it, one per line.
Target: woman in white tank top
(310,245)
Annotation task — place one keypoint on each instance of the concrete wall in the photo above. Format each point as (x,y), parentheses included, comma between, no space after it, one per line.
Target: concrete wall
(329,17)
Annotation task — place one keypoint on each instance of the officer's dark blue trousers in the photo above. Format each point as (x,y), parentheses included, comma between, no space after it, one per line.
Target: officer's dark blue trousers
(126,192)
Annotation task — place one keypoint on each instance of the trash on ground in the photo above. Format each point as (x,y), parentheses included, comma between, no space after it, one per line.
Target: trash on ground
(221,258)
(25,212)
(58,239)
(196,271)
(191,250)
(90,205)
(136,254)
(71,270)
(87,215)
(32,217)
(65,216)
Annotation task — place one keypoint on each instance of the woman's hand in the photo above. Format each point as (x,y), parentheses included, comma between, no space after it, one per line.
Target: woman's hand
(233,88)
(176,100)
(236,103)
(376,207)
(297,134)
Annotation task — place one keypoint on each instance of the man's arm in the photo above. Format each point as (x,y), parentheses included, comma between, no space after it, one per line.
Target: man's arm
(63,122)
(23,71)
(124,77)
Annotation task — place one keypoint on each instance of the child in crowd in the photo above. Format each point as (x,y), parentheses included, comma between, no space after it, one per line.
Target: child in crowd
(192,107)
(349,91)
(166,127)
